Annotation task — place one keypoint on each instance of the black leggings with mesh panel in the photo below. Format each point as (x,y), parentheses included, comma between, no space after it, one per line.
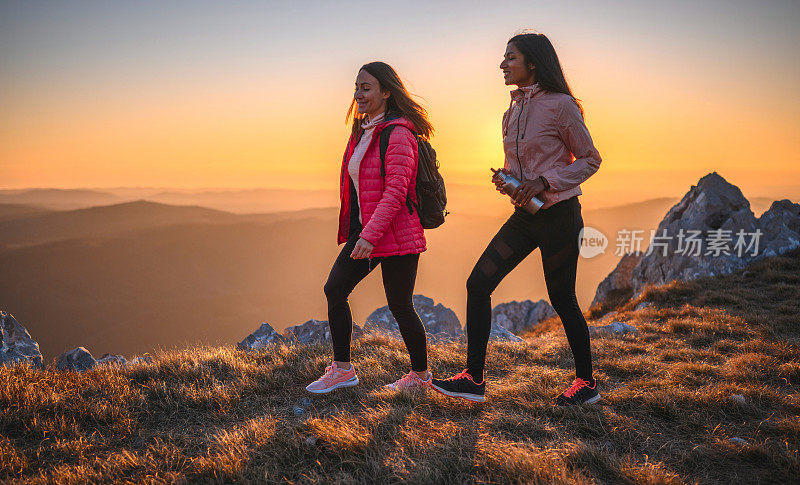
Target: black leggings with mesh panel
(556,231)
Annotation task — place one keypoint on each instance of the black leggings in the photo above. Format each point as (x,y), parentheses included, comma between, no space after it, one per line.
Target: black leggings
(399,276)
(556,231)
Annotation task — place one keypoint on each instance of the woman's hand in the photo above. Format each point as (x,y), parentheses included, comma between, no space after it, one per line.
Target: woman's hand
(498,182)
(526,191)
(362,250)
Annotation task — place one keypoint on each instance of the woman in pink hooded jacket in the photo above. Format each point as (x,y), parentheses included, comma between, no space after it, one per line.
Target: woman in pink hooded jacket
(378,222)
(548,148)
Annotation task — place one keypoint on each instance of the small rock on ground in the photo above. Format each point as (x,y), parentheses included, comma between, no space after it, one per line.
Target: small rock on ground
(614,329)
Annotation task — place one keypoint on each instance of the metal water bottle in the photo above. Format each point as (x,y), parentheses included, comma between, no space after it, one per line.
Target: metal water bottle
(510,183)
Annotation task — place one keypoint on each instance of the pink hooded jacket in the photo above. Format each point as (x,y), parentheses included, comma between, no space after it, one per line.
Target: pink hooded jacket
(544,134)
(388,223)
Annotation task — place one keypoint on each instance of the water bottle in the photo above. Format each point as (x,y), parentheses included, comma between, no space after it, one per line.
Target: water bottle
(510,183)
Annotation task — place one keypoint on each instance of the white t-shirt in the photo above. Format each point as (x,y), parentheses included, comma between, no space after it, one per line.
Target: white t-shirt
(354,164)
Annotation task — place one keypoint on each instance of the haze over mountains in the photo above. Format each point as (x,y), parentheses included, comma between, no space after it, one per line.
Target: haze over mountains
(237,201)
(129,277)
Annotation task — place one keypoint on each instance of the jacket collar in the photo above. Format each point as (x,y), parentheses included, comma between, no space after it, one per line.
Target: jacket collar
(391,116)
(388,119)
(526,92)
(372,123)
(394,119)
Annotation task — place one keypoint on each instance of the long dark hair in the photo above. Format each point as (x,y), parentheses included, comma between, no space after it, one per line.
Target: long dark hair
(399,102)
(538,50)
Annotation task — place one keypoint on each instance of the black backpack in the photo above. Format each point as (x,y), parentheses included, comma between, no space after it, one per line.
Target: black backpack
(431,197)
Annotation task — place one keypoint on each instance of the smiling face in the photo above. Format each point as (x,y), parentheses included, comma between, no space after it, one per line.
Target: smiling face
(515,69)
(371,100)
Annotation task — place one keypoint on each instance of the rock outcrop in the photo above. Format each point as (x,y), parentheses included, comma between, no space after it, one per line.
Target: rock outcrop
(499,333)
(313,331)
(17,345)
(712,205)
(780,226)
(112,359)
(441,323)
(519,316)
(263,337)
(711,231)
(618,282)
(614,328)
(78,359)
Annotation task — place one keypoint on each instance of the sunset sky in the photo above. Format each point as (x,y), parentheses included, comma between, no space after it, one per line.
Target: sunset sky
(254,94)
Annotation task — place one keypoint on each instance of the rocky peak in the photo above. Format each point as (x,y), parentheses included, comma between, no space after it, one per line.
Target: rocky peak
(780,226)
(711,231)
(16,344)
(714,209)
(712,203)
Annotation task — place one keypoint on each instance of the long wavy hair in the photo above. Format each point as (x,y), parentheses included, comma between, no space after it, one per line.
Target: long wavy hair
(399,102)
(539,51)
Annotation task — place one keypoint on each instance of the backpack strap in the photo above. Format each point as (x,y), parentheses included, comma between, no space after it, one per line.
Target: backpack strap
(384,145)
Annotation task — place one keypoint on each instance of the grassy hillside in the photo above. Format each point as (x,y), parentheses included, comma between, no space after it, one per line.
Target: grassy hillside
(715,359)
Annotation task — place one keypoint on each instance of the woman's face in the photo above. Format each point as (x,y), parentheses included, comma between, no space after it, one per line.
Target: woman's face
(515,69)
(369,97)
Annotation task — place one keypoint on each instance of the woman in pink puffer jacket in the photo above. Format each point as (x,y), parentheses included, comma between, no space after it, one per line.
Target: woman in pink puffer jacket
(378,221)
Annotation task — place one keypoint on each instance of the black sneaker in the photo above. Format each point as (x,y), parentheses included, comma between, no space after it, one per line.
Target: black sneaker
(461,385)
(580,392)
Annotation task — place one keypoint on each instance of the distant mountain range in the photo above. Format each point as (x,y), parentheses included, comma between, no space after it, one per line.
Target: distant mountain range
(63,199)
(124,277)
(103,220)
(237,201)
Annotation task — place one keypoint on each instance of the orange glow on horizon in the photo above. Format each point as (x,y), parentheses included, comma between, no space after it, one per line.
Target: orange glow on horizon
(269,127)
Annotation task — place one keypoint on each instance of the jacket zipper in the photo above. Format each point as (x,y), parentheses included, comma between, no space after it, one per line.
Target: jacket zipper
(519,163)
(360,167)
(358,189)
(345,162)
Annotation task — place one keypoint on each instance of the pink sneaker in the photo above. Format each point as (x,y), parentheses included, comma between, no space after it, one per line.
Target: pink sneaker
(409,381)
(333,378)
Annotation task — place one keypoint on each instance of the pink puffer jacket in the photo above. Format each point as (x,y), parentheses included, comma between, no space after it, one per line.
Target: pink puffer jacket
(388,223)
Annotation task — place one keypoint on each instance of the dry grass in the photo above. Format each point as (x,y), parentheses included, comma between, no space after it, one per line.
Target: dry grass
(667,415)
